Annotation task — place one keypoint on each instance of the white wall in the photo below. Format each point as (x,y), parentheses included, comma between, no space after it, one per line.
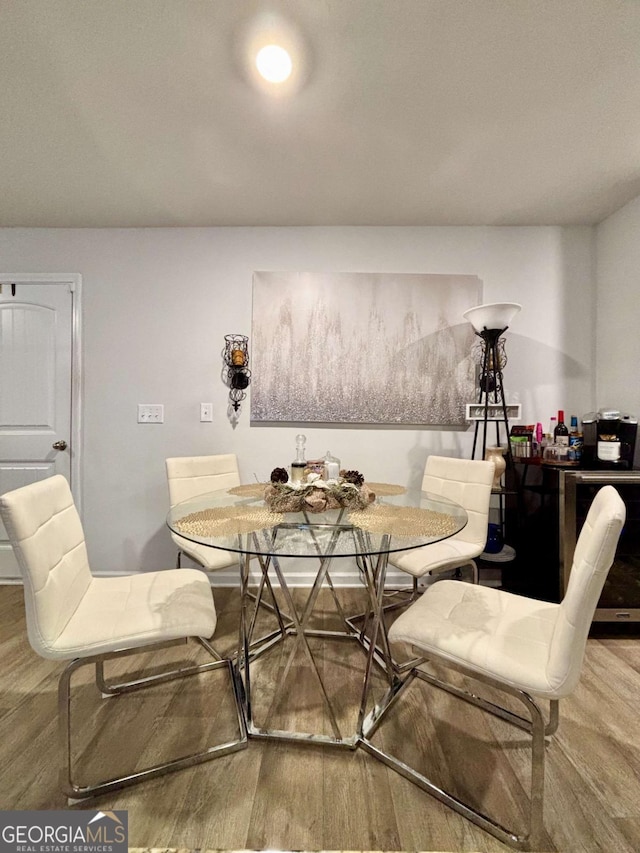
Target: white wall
(158,302)
(618,311)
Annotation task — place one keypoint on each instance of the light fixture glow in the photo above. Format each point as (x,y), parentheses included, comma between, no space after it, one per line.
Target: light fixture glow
(274,63)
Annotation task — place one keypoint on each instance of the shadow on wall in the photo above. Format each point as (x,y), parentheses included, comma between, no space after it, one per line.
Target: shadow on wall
(158,553)
(534,367)
(439,444)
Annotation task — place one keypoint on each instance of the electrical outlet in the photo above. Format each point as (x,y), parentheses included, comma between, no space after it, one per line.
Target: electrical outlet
(206,413)
(150,413)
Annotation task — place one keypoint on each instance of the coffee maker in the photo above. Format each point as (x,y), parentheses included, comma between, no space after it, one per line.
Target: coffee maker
(609,440)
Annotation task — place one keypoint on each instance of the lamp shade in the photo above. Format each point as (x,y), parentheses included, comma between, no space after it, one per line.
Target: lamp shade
(494,315)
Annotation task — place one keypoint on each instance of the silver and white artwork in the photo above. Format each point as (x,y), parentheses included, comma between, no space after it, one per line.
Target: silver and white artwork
(374,348)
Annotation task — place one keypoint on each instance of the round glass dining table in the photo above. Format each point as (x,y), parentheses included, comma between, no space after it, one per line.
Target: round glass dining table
(238,520)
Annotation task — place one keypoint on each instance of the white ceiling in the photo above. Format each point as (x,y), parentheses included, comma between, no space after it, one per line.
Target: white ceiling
(403,112)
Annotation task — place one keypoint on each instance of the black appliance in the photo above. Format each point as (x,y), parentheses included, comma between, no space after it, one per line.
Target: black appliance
(620,599)
(609,440)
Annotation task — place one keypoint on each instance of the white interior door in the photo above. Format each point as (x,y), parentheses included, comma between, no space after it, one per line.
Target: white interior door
(36,381)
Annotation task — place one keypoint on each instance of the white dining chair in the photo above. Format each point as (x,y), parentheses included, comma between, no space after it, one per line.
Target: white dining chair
(468,482)
(531,650)
(191,476)
(76,617)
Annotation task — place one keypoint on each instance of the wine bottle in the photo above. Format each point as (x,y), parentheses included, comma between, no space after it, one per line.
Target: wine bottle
(561,432)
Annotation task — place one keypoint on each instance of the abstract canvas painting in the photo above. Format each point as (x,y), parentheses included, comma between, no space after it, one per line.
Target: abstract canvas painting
(368,348)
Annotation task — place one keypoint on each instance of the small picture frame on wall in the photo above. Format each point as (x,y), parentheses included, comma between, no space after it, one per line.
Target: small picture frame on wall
(475,411)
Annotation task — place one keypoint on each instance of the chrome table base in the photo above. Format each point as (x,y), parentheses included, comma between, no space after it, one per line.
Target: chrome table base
(298,630)
(371,635)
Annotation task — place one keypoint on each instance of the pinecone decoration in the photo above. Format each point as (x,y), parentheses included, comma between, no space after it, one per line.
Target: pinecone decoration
(279,475)
(354,477)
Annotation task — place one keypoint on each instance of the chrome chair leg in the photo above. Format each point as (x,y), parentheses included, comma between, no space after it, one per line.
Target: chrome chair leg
(534,725)
(75,790)
(475,577)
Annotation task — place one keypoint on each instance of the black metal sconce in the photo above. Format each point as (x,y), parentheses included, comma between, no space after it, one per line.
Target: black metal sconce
(238,375)
(484,354)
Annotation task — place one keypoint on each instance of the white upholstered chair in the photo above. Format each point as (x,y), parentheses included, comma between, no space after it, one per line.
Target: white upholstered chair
(468,482)
(76,617)
(532,650)
(191,476)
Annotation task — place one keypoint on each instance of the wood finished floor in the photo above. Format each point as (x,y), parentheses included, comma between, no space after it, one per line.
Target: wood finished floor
(281,796)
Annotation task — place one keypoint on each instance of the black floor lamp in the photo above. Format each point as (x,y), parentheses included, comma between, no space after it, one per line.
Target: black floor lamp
(490,322)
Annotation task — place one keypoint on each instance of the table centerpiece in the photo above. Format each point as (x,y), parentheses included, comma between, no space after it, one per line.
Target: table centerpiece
(315,494)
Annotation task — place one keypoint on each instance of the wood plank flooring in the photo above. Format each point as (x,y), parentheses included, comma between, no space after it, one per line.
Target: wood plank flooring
(300,797)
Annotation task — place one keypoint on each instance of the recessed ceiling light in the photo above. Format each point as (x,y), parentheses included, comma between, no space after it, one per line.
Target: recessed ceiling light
(274,63)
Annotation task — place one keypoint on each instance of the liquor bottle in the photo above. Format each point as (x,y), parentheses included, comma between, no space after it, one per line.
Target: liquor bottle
(576,440)
(561,432)
(553,423)
(539,435)
(299,463)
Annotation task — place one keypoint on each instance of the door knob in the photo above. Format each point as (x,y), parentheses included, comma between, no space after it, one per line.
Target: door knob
(59,445)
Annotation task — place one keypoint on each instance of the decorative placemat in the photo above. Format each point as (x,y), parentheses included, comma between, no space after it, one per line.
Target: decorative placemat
(248,490)
(403,521)
(228,520)
(382,489)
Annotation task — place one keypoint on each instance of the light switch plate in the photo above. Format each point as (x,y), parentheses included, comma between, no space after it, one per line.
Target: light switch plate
(150,413)
(206,413)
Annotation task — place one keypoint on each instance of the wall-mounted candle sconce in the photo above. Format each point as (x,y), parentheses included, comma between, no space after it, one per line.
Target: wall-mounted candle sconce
(237,373)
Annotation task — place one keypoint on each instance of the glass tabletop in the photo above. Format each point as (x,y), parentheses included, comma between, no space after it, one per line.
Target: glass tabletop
(240,520)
